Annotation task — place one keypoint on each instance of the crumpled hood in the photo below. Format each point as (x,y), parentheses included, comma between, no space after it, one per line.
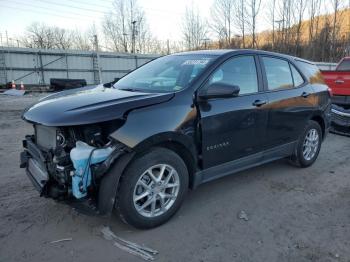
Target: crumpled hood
(89,105)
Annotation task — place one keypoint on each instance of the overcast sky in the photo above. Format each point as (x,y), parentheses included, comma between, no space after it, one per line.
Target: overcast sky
(163,16)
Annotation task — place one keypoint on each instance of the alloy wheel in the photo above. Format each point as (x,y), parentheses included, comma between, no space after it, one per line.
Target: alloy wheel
(156,190)
(311,144)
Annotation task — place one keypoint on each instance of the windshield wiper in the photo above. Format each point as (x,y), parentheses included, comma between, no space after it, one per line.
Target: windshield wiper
(128,89)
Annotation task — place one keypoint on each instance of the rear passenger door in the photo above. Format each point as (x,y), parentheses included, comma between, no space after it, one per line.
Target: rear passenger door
(290,101)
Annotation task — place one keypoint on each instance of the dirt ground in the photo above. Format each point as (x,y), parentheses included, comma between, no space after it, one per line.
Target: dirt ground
(293,214)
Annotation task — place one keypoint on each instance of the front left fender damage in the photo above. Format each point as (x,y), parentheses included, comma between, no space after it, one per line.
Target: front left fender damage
(108,189)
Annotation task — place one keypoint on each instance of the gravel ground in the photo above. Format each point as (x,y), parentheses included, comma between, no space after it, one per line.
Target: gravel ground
(275,212)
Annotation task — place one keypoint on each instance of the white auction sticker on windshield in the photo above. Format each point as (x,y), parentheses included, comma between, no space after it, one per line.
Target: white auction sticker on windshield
(196,62)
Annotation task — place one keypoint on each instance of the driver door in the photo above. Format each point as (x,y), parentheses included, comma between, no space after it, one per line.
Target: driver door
(234,128)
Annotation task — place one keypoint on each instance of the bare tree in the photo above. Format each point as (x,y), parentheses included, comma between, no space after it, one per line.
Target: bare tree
(194,28)
(271,18)
(336,5)
(38,36)
(222,14)
(82,40)
(254,9)
(126,26)
(62,38)
(46,37)
(300,9)
(241,18)
(314,7)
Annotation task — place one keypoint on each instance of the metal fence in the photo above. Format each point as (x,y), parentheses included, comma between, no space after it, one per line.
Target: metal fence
(37,67)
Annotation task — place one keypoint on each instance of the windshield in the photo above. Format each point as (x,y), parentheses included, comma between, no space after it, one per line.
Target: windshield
(165,74)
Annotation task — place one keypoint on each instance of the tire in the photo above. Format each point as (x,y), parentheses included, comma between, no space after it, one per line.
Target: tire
(301,158)
(137,182)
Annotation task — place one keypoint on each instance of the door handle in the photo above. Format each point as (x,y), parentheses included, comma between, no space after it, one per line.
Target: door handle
(339,82)
(305,94)
(259,102)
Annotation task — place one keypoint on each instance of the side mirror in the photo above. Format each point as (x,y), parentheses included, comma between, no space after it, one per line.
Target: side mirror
(219,90)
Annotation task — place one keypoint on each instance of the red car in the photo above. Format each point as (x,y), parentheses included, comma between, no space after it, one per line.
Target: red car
(339,82)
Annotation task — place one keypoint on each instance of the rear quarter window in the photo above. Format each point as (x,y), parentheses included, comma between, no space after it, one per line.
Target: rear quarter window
(298,79)
(311,71)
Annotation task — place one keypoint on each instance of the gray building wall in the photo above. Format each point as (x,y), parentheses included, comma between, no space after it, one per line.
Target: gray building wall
(37,67)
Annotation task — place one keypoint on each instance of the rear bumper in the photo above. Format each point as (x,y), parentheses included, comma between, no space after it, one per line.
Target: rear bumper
(340,120)
(340,100)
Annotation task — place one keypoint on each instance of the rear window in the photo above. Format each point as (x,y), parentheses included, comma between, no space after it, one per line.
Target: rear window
(344,65)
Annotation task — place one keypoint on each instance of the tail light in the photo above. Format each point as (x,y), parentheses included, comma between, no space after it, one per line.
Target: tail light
(330,92)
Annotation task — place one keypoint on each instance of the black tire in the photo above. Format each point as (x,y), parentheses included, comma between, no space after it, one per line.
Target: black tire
(125,202)
(298,157)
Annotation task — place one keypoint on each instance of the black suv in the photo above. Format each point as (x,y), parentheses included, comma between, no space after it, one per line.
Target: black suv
(172,124)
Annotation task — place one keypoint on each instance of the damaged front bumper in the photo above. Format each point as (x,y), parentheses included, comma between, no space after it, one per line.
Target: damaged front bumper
(34,161)
(340,120)
(38,165)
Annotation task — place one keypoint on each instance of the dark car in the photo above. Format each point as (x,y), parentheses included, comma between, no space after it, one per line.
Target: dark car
(173,124)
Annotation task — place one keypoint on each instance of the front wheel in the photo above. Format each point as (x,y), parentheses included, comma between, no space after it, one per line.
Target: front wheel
(309,145)
(152,188)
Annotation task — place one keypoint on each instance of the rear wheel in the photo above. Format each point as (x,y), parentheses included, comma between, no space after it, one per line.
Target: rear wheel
(309,145)
(152,188)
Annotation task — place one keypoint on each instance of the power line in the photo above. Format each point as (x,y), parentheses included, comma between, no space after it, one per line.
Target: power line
(75,7)
(93,5)
(48,9)
(158,11)
(39,12)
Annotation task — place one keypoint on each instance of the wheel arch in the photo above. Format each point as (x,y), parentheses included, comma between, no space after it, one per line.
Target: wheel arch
(181,144)
(319,119)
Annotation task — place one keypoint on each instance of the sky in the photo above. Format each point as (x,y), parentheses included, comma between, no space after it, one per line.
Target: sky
(163,16)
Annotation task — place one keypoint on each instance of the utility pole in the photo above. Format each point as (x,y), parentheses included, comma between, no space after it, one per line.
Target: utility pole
(96,61)
(7,38)
(168,47)
(124,43)
(133,38)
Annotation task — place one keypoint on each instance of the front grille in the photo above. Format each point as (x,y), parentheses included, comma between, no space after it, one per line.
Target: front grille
(45,136)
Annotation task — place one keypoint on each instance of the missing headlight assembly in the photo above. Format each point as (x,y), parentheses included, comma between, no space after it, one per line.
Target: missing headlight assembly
(68,162)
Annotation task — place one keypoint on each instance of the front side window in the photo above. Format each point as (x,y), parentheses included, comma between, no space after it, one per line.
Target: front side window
(239,71)
(165,74)
(278,73)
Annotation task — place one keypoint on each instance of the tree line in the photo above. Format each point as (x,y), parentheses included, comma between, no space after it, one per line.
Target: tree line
(296,27)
